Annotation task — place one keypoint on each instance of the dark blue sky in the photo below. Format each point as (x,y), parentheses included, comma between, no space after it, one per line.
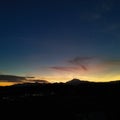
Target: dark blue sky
(39,35)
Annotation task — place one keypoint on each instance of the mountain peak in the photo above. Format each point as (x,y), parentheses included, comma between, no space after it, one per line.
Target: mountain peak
(75,81)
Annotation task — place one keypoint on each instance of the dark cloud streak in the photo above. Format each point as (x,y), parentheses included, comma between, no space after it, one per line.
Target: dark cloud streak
(65,68)
(81,61)
(38,81)
(76,64)
(11,78)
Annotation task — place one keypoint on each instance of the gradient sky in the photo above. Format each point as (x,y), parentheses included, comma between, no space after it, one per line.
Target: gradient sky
(57,40)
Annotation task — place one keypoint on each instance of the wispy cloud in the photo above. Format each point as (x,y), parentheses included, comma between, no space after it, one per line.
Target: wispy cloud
(66,68)
(88,65)
(112,27)
(20,79)
(106,5)
(11,78)
(95,69)
(90,16)
(99,10)
(37,81)
(75,65)
(81,62)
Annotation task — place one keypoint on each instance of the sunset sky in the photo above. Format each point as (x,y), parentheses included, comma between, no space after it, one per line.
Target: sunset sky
(58,40)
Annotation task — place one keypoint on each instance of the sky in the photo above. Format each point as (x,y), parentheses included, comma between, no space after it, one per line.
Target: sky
(58,40)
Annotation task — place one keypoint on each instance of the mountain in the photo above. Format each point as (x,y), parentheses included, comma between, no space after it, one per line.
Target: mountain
(76,81)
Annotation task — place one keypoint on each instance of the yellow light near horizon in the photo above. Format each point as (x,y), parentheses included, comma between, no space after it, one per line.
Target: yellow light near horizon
(67,77)
(6,83)
(91,78)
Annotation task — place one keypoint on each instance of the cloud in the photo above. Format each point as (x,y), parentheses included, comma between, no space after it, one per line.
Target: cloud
(81,62)
(30,77)
(11,78)
(112,27)
(38,81)
(88,66)
(20,79)
(113,62)
(90,16)
(75,65)
(98,11)
(91,68)
(66,68)
(106,5)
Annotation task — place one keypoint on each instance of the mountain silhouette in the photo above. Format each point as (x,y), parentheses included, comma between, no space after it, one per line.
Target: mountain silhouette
(74,100)
(76,81)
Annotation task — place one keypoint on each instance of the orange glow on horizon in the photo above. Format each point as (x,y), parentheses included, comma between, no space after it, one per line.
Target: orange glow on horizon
(6,83)
(58,77)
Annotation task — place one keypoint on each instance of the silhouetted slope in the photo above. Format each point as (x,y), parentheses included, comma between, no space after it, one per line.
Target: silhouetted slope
(63,100)
(73,87)
(75,82)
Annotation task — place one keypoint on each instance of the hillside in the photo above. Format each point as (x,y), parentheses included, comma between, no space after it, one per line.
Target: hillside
(70,101)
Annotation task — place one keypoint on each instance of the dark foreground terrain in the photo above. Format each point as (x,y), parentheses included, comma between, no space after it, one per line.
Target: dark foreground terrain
(84,101)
